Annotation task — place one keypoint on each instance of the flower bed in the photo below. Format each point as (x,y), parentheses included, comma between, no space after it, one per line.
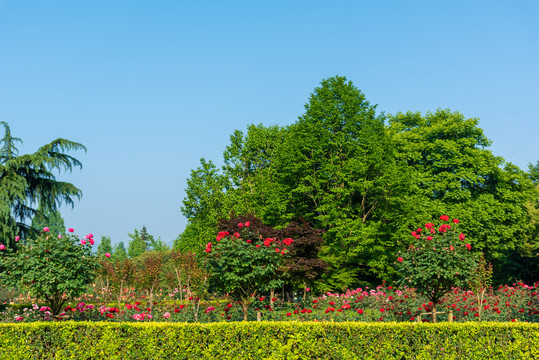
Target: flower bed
(516,303)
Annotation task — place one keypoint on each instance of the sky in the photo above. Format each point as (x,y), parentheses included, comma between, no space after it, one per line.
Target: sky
(150,87)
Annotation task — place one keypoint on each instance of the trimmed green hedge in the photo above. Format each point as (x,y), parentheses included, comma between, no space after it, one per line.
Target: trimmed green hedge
(268,340)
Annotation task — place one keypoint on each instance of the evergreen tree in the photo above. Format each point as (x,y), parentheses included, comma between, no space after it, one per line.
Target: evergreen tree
(139,243)
(104,246)
(28,180)
(119,251)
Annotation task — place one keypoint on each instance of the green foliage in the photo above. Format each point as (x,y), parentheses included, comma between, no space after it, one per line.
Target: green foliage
(452,172)
(104,246)
(119,251)
(439,260)
(270,340)
(27,180)
(158,245)
(139,243)
(48,218)
(342,170)
(50,267)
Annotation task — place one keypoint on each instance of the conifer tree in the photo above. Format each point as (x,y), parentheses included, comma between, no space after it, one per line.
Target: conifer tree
(27,181)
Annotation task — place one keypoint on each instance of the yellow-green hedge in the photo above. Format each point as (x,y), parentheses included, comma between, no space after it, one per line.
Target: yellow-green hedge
(268,340)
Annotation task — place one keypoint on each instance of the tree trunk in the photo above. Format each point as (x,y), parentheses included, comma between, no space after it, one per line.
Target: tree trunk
(245,304)
(434,313)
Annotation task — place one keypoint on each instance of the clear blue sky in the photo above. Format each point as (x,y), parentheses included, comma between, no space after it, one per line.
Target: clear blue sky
(150,87)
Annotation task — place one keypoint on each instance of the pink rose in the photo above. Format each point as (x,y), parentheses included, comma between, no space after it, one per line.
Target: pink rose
(107,255)
(45,229)
(2,247)
(17,238)
(59,236)
(166,315)
(70,230)
(83,242)
(91,241)
(247,223)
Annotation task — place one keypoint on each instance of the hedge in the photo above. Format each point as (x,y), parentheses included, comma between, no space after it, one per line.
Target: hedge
(268,340)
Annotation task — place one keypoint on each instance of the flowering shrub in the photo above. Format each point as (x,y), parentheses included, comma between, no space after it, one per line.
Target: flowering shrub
(52,268)
(244,264)
(437,261)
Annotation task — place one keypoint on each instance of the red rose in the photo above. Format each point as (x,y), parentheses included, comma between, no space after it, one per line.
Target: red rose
(456,221)
(469,247)
(400,259)
(462,237)
(444,217)
(360,311)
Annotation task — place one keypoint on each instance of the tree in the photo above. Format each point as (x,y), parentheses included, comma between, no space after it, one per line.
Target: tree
(51,267)
(104,246)
(137,246)
(453,172)
(203,206)
(338,172)
(141,242)
(28,180)
(158,245)
(48,218)
(119,251)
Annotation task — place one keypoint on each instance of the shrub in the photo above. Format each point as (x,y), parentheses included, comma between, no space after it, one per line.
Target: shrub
(52,268)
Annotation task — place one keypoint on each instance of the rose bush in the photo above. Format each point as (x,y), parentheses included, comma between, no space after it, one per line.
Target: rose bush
(52,268)
(437,261)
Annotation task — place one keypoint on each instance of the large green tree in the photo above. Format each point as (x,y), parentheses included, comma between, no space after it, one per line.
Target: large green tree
(204,204)
(338,171)
(453,172)
(27,183)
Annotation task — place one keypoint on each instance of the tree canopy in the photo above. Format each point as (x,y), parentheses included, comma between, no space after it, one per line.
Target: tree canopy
(364,180)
